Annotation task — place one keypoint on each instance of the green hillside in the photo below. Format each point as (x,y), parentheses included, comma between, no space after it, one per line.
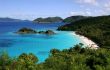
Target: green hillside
(95,28)
(73,18)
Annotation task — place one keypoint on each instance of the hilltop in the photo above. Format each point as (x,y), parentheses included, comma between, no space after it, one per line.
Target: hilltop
(74,18)
(48,20)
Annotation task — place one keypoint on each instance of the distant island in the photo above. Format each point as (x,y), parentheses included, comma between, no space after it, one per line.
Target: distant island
(59,19)
(48,20)
(9,20)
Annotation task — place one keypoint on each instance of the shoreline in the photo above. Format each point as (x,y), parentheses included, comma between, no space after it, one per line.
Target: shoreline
(87,42)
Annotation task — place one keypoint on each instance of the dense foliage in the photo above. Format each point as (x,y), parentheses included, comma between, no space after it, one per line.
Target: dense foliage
(95,28)
(75,58)
(74,18)
(48,20)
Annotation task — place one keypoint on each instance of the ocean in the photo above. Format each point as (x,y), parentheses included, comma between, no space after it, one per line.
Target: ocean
(38,44)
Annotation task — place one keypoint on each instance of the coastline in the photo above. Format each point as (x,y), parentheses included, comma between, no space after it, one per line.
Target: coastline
(87,42)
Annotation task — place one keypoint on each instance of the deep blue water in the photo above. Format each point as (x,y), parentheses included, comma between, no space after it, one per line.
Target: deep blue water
(38,44)
(14,26)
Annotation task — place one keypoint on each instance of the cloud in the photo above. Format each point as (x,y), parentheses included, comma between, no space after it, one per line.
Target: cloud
(92,2)
(107,6)
(85,13)
(93,7)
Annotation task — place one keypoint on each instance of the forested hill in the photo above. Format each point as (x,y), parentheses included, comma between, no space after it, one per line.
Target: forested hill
(74,18)
(48,19)
(95,28)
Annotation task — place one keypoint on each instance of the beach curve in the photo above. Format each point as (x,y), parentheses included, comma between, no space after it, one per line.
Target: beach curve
(86,41)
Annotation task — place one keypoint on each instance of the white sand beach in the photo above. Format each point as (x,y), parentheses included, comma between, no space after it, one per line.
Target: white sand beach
(87,42)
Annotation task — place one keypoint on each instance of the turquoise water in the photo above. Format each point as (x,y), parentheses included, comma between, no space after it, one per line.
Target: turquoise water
(38,44)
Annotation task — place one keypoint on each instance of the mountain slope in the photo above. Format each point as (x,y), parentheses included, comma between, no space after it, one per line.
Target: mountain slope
(74,18)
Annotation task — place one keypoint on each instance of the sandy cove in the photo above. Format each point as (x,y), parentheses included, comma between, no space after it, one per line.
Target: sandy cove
(87,42)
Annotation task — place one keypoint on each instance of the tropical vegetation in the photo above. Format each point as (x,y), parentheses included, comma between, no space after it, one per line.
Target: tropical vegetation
(75,58)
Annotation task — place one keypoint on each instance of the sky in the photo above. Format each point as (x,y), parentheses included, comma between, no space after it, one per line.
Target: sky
(31,9)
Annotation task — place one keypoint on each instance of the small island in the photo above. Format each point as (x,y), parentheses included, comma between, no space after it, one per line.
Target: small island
(32,31)
(48,32)
(26,31)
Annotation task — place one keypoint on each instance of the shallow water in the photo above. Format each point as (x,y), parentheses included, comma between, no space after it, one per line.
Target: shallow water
(38,44)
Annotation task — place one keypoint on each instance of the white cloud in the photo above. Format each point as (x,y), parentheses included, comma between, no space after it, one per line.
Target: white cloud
(88,13)
(85,13)
(92,2)
(73,13)
(107,6)
(98,7)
